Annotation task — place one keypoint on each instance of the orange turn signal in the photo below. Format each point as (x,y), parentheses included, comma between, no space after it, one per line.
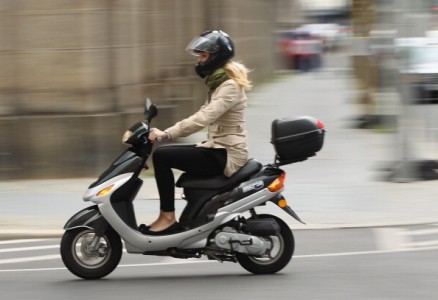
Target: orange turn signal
(105,190)
(278,183)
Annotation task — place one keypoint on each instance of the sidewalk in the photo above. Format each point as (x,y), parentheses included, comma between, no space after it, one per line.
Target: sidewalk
(337,188)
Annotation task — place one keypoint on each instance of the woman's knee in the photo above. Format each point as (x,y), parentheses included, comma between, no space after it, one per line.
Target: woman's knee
(161,154)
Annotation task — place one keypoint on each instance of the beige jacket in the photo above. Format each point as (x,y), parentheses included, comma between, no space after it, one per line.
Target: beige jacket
(225,117)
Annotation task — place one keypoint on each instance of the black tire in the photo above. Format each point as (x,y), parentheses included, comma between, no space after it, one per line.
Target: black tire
(86,264)
(284,245)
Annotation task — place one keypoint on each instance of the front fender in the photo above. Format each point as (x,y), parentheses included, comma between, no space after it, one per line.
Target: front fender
(90,218)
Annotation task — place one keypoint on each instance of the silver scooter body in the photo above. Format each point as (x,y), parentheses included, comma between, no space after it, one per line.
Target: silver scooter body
(196,238)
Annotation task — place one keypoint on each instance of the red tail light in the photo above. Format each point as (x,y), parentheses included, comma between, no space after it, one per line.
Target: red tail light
(319,124)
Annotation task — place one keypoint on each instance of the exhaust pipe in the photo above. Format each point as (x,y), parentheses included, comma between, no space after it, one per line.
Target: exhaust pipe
(262,227)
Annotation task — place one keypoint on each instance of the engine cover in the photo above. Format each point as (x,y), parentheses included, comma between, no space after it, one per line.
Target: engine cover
(243,243)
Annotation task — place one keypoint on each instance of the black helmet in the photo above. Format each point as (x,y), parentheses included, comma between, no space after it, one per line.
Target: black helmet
(219,46)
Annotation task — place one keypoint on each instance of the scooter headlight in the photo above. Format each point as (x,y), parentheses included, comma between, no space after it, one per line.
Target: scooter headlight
(126,136)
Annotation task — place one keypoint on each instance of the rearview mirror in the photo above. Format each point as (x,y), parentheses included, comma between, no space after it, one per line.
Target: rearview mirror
(150,110)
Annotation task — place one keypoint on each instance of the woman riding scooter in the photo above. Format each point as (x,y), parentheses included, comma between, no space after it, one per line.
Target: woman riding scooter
(220,221)
(225,151)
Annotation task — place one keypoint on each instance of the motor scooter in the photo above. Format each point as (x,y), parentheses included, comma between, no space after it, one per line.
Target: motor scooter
(219,221)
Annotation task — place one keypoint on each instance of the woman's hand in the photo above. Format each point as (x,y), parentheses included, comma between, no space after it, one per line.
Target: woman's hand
(156,133)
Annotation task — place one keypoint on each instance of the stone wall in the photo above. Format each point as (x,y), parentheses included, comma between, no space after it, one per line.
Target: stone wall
(75,74)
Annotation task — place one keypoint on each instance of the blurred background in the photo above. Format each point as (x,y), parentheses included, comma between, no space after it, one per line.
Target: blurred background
(75,74)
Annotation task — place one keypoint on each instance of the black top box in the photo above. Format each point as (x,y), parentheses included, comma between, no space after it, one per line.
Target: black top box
(296,138)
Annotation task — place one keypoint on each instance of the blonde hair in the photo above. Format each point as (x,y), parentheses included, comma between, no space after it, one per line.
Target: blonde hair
(239,73)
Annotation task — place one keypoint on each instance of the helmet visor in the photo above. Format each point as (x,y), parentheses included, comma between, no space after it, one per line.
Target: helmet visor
(206,43)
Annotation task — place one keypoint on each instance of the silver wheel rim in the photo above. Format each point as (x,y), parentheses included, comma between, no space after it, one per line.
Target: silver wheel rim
(83,255)
(274,254)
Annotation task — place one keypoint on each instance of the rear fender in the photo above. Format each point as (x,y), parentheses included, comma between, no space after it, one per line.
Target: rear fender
(280,201)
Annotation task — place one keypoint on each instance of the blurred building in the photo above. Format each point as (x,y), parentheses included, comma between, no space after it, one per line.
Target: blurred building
(289,14)
(293,13)
(326,11)
(75,73)
(376,24)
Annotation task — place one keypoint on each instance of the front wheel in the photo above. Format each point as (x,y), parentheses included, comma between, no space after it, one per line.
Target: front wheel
(283,246)
(79,257)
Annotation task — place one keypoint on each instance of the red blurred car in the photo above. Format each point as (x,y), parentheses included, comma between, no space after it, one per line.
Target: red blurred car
(300,50)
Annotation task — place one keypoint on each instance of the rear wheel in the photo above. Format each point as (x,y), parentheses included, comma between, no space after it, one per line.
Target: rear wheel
(79,257)
(283,246)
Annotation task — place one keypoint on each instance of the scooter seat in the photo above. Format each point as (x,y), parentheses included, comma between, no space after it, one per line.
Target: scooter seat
(219,182)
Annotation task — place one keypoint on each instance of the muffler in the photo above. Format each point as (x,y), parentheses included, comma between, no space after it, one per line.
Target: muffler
(265,226)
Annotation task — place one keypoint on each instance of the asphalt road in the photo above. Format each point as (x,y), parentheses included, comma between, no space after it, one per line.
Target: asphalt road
(366,263)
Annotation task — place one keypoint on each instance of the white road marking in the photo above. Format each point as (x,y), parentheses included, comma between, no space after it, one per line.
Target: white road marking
(29,248)
(32,270)
(48,257)
(422,231)
(21,241)
(390,239)
(425,244)
(28,259)
(399,238)
(366,252)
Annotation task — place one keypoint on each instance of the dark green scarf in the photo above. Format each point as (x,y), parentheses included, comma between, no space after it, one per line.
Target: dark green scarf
(215,80)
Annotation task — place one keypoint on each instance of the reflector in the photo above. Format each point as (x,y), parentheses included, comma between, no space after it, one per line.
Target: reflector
(282,203)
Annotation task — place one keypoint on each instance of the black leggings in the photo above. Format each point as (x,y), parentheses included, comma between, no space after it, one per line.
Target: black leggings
(188,158)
